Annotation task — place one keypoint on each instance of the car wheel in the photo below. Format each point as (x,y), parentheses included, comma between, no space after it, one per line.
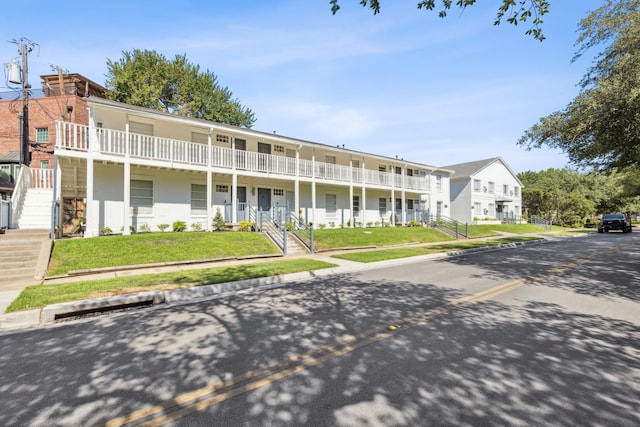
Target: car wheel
(600,230)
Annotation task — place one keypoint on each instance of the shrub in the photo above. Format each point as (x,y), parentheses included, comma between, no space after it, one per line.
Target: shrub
(133,229)
(163,227)
(414,223)
(144,228)
(218,221)
(105,231)
(322,226)
(289,225)
(179,226)
(246,226)
(369,224)
(196,226)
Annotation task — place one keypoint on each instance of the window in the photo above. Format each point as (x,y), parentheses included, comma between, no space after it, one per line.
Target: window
(5,171)
(516,191)
(42,134)
(492,209)
(141,128)
(330,159)
(198,199)
(477,208)
(331,205)
(44,170)
(439,183)
(409,172)
(410,204)
(382,168)
(505,189)
(278,192)
(516,209)
(222,139)
(492,187)
(477,185)
(355,164)
(141,197)
(222,188)
(278,148)
(398,170)
(382,206)
(399,204)
(291,153)
(356,206)
(200,138)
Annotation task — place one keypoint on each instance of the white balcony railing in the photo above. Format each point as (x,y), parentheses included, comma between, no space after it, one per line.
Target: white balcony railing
(74,137)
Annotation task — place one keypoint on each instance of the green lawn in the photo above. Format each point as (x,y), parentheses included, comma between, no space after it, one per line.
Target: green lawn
(387,254)
(149,248)
(107,251)
(482,230)
(379,236)
(41,295)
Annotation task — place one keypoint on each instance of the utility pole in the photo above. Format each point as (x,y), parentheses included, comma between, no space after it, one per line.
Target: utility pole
(24,49)
(26,46)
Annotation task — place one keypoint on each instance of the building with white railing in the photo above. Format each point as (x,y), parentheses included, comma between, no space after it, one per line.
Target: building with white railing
(485,190)
(135,167)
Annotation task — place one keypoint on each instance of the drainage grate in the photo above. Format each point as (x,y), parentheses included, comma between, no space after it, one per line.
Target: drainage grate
(92,312)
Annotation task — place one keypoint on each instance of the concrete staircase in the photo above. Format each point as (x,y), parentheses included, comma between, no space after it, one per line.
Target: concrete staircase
(35,212)
(295,247)
(24,255)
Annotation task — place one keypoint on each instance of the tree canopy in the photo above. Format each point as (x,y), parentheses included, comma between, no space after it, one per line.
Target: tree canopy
(512,11)
(569,198)
(148,79)
(600,128)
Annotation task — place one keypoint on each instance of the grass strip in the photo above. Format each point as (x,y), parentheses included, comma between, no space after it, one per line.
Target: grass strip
(387,254)
(378,236)
(150,248)
(41,295)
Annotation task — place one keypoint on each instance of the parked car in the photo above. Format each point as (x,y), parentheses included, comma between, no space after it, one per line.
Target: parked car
(615,221)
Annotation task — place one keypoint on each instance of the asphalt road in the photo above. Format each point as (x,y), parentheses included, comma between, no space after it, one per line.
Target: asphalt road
(545,334)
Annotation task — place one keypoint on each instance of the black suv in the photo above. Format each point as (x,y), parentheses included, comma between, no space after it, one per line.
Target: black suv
(615,221)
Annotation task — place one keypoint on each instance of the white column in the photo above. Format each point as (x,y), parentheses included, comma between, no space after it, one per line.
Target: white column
(127,196)
(363,208)
(209,221)
(313,188)
(234,183)
(92,211)
(393,205)
(296,185)
(126,220)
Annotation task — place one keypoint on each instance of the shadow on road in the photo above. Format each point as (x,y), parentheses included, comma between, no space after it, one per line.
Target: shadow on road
(491,364)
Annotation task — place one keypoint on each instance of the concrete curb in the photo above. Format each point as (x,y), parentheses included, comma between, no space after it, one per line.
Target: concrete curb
(53,312)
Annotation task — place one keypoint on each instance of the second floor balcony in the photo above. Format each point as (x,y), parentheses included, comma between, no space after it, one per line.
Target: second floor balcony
(71,137)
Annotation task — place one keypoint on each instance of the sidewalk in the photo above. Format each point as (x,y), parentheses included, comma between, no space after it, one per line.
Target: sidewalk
(48,314)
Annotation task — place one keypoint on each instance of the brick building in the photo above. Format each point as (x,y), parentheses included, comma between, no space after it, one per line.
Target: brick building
(46,105)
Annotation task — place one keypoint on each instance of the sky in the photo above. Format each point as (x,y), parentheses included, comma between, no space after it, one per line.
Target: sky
(402,83)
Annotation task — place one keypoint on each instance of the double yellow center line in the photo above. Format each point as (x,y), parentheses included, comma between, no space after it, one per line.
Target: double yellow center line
(213,394)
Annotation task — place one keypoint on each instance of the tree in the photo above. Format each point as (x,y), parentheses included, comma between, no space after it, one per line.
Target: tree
(510,10)
(568,197)
(600,128)
(148,79)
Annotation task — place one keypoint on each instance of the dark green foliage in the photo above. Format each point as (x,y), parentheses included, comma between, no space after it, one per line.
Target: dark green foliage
(148,79)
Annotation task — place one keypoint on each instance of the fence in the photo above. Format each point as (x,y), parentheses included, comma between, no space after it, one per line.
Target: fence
(5,208)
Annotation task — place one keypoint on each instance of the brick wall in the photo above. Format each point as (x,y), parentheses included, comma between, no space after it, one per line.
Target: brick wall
(43,113)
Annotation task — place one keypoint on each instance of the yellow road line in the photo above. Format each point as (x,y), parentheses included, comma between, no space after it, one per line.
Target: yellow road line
(213,394)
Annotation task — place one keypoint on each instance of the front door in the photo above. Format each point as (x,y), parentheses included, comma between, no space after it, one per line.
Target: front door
(242,204)
(264,199)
